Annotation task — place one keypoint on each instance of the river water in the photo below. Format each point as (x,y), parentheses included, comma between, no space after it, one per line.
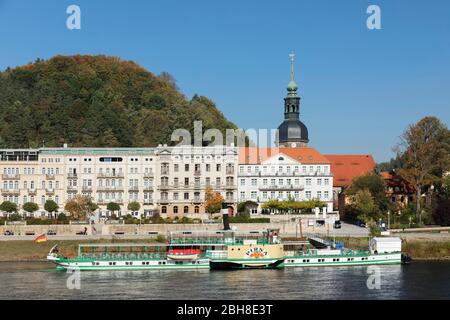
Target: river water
(420,280)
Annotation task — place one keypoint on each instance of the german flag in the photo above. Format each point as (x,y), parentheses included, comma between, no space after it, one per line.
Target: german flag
(41,238)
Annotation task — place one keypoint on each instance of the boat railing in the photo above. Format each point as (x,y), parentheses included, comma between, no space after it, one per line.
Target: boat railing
(197,241)
(216,254)
(123,256)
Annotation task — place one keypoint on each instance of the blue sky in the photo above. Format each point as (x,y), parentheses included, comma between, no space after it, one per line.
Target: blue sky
(360,88)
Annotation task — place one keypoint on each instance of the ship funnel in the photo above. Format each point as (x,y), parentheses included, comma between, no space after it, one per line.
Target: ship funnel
(226,219)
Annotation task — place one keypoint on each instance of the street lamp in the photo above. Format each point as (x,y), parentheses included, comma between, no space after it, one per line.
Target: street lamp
(389,219)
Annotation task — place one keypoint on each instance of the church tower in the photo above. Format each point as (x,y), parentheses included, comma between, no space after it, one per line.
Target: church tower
(292,132)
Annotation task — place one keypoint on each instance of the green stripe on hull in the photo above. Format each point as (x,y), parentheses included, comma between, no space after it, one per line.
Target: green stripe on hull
(133,267)
(350,263)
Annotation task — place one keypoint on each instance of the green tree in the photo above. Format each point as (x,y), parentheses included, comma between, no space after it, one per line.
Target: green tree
(30,207)
(51,206)
(8,207)
(113,207)
(364,202)
(425,153)
(134,206)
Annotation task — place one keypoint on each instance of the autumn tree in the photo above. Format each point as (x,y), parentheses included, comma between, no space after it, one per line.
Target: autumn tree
(80,207)
(425,153)
(213,201)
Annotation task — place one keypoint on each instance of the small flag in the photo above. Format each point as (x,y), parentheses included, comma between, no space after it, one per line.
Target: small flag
(41,238)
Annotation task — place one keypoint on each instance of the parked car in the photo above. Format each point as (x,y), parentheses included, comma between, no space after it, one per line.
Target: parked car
(360,223)
(51,233)
(337,224)
(84,232)
(8,233)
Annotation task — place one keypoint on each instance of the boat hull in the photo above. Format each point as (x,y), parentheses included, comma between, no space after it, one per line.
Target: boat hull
(342,260)
(81,265)
(226,264)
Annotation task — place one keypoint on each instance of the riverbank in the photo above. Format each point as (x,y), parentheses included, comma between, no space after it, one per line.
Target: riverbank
(418,249)
(30,251)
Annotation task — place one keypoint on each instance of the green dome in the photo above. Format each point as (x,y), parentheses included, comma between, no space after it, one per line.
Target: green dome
(292,86)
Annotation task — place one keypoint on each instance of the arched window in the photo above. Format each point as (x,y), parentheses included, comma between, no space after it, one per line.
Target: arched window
(186,209)
(163,209)
(196,209)
(175,209)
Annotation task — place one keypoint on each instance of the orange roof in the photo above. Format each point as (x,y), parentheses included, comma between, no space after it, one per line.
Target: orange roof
(302,155)
(386,175)
(347,167)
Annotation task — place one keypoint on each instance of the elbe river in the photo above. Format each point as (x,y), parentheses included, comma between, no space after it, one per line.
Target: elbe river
(420,280)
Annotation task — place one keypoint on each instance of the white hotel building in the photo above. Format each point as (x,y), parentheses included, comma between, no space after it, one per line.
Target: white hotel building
(283,173)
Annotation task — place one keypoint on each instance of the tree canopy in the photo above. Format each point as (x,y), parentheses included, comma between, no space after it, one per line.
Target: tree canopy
(80,207)
(96,101)
(425,153)
(213,201)
(8,206)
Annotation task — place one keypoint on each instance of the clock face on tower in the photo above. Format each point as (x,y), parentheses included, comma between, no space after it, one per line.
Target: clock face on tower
(293,145)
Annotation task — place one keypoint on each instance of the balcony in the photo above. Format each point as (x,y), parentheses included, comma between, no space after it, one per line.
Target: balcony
(282,188)
(164,187)
(230,186)
(197,173)
(163,201)
(10,191)
(86,189)
(133,188)
(32,191)
(72,175)
(50,176)
(106,201)
(229,200)
(72,188)
(148,174)
(197,200)
(148,188)
(109,188)
(49,190)
(110,175)
(10,176)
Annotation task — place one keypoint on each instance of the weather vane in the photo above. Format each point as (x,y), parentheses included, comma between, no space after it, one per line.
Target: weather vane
(292,58)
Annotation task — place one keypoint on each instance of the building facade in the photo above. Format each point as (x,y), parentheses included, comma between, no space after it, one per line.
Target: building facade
(282,173)
(171,180)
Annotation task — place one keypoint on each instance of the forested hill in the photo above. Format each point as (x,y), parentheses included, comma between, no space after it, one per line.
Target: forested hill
(95,101)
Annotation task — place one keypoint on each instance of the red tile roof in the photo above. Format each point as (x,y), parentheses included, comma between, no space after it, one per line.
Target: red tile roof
(347,167)
(302,155)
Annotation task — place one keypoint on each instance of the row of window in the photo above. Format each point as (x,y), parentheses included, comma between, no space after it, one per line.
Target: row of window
(25,199)
(283,195)
(285,181)
(283,169)
(175,209)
